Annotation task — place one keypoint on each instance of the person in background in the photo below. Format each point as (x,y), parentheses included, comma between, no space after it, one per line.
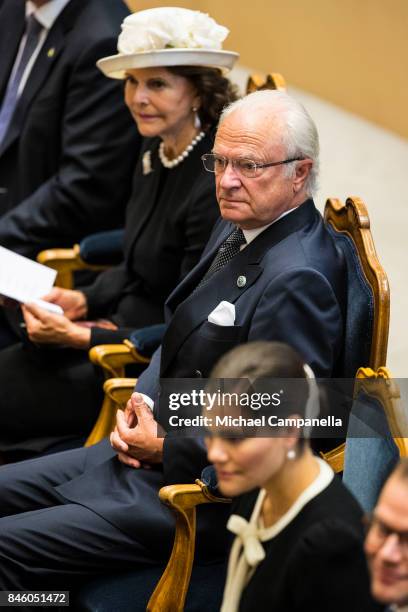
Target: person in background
(169,219)
(298,531)
(63,127)
(386,542)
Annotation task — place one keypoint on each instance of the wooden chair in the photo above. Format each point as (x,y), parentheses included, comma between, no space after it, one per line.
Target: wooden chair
(117,392)
(171,590)
(68,261)
(113,358)
(368,303)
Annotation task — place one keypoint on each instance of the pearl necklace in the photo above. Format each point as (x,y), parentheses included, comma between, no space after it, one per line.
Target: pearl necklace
(172,163)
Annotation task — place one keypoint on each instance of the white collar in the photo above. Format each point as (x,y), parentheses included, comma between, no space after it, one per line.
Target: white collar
(251,234)
(322,480)
(247,551)
(46,14)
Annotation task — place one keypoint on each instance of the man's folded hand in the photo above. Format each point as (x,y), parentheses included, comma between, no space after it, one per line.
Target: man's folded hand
(135,437)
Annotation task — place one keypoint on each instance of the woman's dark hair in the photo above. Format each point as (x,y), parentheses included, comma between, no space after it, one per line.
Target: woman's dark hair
(214,89)
(259,363)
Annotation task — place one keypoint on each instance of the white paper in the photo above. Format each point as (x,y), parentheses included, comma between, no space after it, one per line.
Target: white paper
(22,279)
(223,314)
(48,306)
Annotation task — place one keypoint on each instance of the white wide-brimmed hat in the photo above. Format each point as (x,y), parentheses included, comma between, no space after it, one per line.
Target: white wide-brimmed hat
(168,36)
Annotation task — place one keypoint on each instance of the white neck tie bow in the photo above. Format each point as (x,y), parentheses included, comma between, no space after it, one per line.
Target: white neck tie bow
(248,533)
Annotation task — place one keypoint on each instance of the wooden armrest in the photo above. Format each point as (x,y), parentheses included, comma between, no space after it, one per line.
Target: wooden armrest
(113,358)
(185,496)
(65,262)
(171,591)
(117,392)
(335,458)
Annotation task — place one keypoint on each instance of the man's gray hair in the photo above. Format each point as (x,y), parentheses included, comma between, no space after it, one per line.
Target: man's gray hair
(301,138)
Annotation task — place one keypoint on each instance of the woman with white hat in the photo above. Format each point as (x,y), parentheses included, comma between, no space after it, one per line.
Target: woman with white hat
(173,68)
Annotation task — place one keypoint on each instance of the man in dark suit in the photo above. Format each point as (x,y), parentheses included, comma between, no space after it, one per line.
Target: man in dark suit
(270,271)
(67,143)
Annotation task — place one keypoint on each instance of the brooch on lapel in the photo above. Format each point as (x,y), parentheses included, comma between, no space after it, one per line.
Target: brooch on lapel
(147,162)
(51,52)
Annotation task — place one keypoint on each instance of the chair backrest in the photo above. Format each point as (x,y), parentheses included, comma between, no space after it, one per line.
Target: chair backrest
(380,386)
(368,295)
(273,80)
(103,248)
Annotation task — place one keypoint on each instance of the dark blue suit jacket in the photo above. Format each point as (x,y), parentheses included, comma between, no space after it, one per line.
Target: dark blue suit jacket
(295,291)
(68,157)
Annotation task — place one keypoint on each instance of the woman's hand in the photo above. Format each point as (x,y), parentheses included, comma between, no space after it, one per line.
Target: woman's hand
(44,327)
(73,303)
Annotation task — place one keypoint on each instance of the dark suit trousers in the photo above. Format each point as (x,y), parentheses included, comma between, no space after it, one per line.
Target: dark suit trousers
(66,406)
(46,543)
(8,335)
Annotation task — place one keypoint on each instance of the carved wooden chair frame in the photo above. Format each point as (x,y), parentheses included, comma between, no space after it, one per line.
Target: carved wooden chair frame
(352,219)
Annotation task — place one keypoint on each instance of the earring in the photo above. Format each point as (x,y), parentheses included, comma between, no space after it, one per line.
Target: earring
(291,454)
(197,121)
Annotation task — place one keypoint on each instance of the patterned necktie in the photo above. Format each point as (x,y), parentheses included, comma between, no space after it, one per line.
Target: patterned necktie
(229,248)
(33,29)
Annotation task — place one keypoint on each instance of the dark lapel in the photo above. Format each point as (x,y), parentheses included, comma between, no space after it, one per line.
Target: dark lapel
(51,49)
(144,193)
(12,20)
(195,308)
(173,188)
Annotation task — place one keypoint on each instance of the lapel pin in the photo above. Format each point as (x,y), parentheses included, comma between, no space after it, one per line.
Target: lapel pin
(51,52)
(241,281)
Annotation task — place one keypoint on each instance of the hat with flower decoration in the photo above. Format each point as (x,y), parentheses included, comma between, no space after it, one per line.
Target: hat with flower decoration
(168,36)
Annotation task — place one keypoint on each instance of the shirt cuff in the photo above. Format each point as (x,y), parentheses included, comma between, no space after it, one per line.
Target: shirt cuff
(147,400)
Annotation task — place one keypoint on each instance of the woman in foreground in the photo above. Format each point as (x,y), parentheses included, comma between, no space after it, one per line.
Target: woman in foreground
(298,532)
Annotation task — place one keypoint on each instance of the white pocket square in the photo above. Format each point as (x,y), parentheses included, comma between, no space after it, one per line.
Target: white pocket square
(223,314)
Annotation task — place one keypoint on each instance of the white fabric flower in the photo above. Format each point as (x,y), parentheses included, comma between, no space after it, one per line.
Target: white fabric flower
(164,28)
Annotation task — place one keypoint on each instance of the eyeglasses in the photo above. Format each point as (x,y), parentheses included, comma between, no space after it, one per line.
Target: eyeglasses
(245,167)
(379,533)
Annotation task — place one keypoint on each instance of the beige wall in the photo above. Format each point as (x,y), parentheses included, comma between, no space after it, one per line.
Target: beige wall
(353,53)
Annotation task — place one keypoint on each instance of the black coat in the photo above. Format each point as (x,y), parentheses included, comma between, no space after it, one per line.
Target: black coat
(169,219)
(168,222)
(67,160)
(316,562)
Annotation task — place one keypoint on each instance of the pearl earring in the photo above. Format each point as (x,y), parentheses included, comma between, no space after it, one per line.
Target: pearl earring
(197,121)
(291,454)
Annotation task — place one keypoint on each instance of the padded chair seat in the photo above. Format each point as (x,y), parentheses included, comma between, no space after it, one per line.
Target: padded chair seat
(131,592)
(147,339)
(103,248)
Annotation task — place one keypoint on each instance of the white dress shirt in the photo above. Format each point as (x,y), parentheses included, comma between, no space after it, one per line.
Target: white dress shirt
(46,16)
